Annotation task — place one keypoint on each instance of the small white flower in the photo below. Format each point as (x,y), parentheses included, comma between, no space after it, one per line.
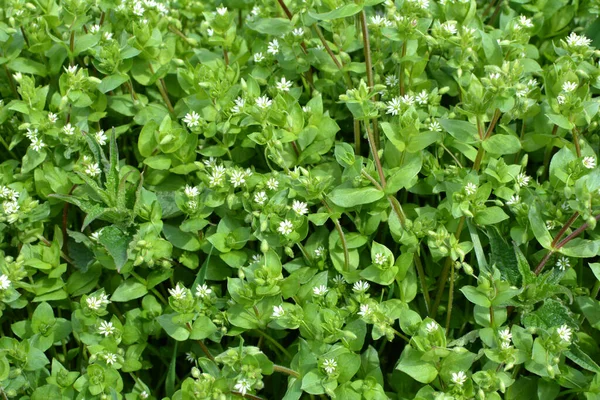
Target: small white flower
(191,357)
(560,99)
(339,280)
(432,327)
(71,69)
(110,358)
(239,105)
(191,191)
(95,28)
(298,32)
(104,299)
(380,21)
(360,286)
(505,335)
(210,32)
(575,40)
(470,188)
(589,162)
(192,119)
(435,126)
(221,10)
(260,198)
(52,117)
(4,282)
(563,263)
(93,303)
(255,10)
(320,290)
(101,137)
(449,27)
(18,76)
(408,100)
(238,178)
(494,76)
(284,85)
(144,395)
(108,35)
(525,22)
(278,311)
(272,184)
(515,199)
(422,97)
(329,365)
(203,291)
(522,180)
(569,86)
(394,106)
(564,332)
(92,170)
(300,207)
(532,83)
(10,207)
(522,93)
(37,144)
(138,9)
(106,328)
(380,259)
(258,57)
(306,109)
(95,236)
(285,227)
(459,378)
(179,292)
(263,102)
(391,81)
(550,225)
(242,386)
(216,178)
(256,258)
(319,251)
(192,204)
(505,345)
(68,129)
(273,47)
(365,310)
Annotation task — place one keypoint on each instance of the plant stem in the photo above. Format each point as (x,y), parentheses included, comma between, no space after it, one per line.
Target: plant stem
(492,125)
(492,322)
(373,146)
(338,227)
(285,370)
(177,32)
(247,396)
(275,343)
(450,298)
(576,141)
(13,87)
(72,47)
(162,88)
(401,67)
(566,226)
(400,335)
(548,154)
(369,66)
(356,137)
(421,274)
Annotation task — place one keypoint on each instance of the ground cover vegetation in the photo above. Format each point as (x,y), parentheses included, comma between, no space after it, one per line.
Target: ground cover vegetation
(299,199)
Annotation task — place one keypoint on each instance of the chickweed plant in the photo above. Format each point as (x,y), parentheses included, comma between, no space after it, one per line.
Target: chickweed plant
(299,199)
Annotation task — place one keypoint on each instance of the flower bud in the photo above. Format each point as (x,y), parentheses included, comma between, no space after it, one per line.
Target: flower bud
(591,221)
(264,246)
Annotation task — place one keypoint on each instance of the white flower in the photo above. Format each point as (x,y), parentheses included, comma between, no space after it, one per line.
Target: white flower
(10,207)
(272,184)
(108,35)
(18,76)
(470,188)
(505,345)
(589,162)
(459,378)
(92,170)
(179,292)
(550,225)
(95,236)
(300,207)
(101,137)
(515,199)
(278,311)
(93,302)
(138,9)
(110,358)
(380,21)
(258,57)
(435,126)
(260,198)
(273,47)
(408,99)
(432,327)
(365,310)
(264,102)
(391,80)
(394,106)
(298,32)
(242,386)
(564,332)
(216,178)
(505,335)
(203,291)
(144,395)
(380,259)
(68,129)
(329,365)
(192,204)
(320,290)
(522,92)
(256,258)
(569,86)
(191,191)
(449,27)
(284,85)
(52,117)
(95,28)
(106,328)
(494,76)
(319,251)
(563,263)
(4,282)
(575,40)
(239,105)
(306,109)
(71,69)
(560,99)
(37,144)
(255,10)
(221,10)
(191,357)
(525,22)
(422,97)
(532,83)
(522,180)
(339,280)
(104,299)
(285,227)
(192,119)
(360,286)
(238,178)
(209,32)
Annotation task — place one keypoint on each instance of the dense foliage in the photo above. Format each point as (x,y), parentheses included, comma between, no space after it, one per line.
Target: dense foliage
(283,200)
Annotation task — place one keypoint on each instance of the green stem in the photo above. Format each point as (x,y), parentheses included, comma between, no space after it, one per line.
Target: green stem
(373,146)
(421,274)
(162,88)
(450,299)
(285,370)
(275,343)
(566,226)
(492,320)
(400,335)
(369,66)
(356,137)
(576,141)
(340,231)
(401,67)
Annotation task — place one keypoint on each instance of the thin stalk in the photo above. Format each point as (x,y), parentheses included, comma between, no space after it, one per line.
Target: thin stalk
(492,319)
(11,82)
(401,67)
(7,147)
(373,146)
(226,57)
(340,231)
(576,141)
(178,32)
(286,370)
(369,65)
(337,62)
(25,36)
(286,10)
(492,125)
(72,46)
(162,88)
(275,343)
(566,226)
(247,396)
(450,299)
(400,335)
(356,137)
(65,216)
(421,274)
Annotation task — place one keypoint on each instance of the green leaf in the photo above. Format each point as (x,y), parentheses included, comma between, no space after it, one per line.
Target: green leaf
(182,240)
(116,243)
(271,26)
(416,366)
(463,131)
(581,248)
(129,290)
(475,296)
(575,354)
(538,226)
(176,330)
(490,216)
(351,197)
(406,175)
(202,328)
(112,82)
(560,120)
(502,144)
(347,10)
